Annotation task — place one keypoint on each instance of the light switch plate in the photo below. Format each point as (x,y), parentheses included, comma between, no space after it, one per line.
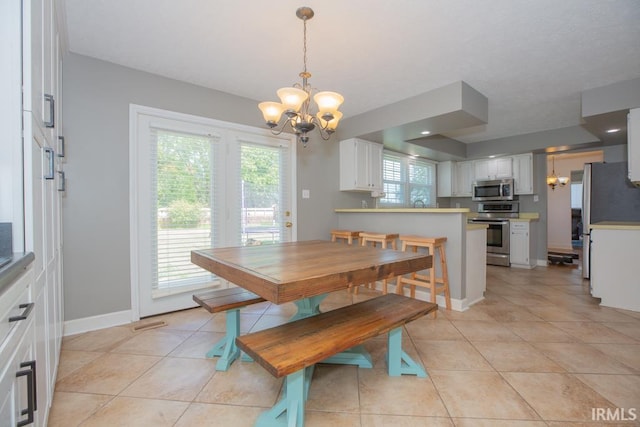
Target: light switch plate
(305,194)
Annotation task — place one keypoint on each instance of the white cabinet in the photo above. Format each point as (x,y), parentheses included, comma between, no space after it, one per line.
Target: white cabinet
(493,168)
(445,172)
(360,165)
(18,362)
(463,180)
(520,244)
(523,173)
(633,145)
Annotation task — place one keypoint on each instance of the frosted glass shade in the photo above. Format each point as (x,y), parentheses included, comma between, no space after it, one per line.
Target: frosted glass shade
(328,102)
(331,124)
(271,111)
(292,98)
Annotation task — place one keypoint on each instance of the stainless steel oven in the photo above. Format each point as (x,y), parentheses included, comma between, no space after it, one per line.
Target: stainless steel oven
(496,215)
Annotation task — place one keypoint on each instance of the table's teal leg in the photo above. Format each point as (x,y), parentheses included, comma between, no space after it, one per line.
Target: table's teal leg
(399,362)
(289,411)
(226,348)
(308,307)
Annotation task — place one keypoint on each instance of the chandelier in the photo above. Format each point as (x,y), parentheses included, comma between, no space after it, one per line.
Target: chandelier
(295,102)
(554,180)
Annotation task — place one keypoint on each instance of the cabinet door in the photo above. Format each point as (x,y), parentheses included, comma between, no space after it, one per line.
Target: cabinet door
(464,178)
(361,165)
(523,173)
(482,169)
(445,173)
(503,167)
(375,166)
(519,243)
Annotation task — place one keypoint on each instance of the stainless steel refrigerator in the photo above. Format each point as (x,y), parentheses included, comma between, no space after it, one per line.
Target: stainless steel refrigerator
(607,195)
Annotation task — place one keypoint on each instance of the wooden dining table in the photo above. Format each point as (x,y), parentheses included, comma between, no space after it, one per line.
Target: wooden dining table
(305,272)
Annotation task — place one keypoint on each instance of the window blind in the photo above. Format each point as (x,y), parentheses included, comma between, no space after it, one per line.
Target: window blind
(184,215)
(407,181)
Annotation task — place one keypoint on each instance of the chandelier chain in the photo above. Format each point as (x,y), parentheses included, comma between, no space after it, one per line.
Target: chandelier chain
(304,45)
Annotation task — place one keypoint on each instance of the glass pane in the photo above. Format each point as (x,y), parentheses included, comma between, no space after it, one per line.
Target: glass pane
(183,222)
(261,192)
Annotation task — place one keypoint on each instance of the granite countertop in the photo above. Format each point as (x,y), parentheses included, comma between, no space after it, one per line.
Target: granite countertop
(16,266)
(615,225)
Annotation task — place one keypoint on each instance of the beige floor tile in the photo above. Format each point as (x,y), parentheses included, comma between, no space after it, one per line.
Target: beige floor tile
(593,332)
(377,349)
(333,419)
(479,422)
(426,328)
(172,379)
(555,313)
(485,331)
(129,411)
(186,320)
(630,329)
(511,314)
(197,345)
(369,420)
(605,314)
(204,414)
(621,390)
(218,323)
(516,357)
(108,374)
(245,383)
(628,354)
(582,358)
(404,395)
(539,332)
(100,340)
(456,355)
(558,397)
(70,409)
(153,342)
(334,389)
(286,310)
(269,321)
(71,360)
(467,393)
(259,308)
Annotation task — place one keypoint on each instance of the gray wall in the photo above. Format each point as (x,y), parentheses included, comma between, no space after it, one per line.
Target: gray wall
(97,95)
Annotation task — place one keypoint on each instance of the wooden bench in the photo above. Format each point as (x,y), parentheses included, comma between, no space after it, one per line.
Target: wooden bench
(230,301)
(293,348)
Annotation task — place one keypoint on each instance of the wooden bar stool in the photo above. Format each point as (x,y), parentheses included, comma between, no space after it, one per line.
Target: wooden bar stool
(347,235)
(435,284)
(385,241)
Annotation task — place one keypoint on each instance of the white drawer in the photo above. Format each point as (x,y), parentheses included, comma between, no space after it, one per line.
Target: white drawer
(15,303)
(519,225)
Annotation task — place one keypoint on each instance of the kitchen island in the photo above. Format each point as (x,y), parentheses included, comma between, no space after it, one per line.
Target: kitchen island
(614,264)
(466,246)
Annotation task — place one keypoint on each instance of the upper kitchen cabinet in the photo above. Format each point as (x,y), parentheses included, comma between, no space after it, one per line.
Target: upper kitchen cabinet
(40,63)
(523,173)
(493,168)
(360,165)
(455,179)
(633,145)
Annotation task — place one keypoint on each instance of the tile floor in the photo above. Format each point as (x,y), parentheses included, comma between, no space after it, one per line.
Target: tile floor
(537,351)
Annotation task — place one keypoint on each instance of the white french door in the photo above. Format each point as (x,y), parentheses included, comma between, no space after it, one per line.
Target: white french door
(198,183)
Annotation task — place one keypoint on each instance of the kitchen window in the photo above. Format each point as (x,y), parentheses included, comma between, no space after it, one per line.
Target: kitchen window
(408,181)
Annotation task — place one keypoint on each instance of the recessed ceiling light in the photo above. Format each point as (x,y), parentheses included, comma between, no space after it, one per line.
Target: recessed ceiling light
(613,130)
(425,132)
(492,157)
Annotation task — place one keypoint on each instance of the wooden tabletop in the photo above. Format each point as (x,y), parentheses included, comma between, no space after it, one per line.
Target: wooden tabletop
(290,271)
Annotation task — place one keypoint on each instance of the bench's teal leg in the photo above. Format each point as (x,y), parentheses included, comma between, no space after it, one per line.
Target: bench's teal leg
(399,362)
(354,356)
(226,348)
(289,411)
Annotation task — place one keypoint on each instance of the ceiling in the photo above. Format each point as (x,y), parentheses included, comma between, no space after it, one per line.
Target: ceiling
(531,59)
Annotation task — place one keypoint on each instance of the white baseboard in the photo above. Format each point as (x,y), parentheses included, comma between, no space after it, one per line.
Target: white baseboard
(456,304)
(542,263)
(93,323)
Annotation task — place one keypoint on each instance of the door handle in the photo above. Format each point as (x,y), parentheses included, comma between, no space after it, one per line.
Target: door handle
(288,224)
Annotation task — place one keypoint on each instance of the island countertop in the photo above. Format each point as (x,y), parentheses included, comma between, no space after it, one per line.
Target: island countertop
(615,225)
(405,210)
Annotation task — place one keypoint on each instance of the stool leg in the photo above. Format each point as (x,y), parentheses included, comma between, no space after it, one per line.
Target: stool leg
(445,277)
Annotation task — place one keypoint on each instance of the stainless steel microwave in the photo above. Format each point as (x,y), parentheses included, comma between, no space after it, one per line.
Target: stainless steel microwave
(494,189)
